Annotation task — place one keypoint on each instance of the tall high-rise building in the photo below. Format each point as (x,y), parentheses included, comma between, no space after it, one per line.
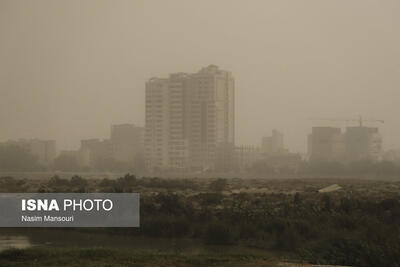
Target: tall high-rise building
(190,121)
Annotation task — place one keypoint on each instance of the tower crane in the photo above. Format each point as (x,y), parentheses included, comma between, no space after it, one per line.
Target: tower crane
(360,120)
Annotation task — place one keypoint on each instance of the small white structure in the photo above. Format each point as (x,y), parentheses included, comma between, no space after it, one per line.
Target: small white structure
(330,188)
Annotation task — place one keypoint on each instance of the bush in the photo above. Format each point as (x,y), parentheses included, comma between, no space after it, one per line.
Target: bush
(218,234)
(218,185)
(56,181)
(78,181)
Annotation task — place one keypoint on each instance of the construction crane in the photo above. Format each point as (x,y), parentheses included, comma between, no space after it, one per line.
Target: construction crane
(359,120)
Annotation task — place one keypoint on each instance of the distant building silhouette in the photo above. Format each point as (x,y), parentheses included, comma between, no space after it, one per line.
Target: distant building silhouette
(272,144)
(357,143)
(392,155)
(326,144)
(123,151)
(128,142)
(246,156)
(43,150)
(93,150)
(363,143)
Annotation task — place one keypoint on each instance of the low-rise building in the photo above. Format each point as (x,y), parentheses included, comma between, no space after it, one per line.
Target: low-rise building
(43,150)
(272,144)
(356,143)
(128,143)
(246,156)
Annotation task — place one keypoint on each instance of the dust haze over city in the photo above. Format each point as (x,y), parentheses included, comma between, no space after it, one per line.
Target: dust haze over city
(69,70)
(220,133)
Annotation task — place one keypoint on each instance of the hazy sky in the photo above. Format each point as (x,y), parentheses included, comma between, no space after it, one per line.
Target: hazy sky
(70,69)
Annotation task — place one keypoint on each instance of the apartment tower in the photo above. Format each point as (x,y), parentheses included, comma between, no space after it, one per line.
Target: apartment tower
(190,121)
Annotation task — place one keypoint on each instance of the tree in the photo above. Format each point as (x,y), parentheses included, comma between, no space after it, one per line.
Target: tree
(78,181)
(218,234)
(218,185)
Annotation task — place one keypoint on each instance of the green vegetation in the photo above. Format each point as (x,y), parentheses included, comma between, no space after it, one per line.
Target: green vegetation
(319,229)
(358,225)
(122,257)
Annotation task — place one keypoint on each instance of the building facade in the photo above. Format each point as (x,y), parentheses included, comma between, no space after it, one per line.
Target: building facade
(246,156)
(356,143)
(94,150)
(190,121)
(324,144)
(272,144)
(125,146)
(363,143)
(43,150)
(127,142)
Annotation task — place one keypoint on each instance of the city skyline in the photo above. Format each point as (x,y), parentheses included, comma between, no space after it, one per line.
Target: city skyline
(230,132)
(333,123)
(70,79)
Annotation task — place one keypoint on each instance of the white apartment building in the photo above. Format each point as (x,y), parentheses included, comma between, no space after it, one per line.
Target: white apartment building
(190,121)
